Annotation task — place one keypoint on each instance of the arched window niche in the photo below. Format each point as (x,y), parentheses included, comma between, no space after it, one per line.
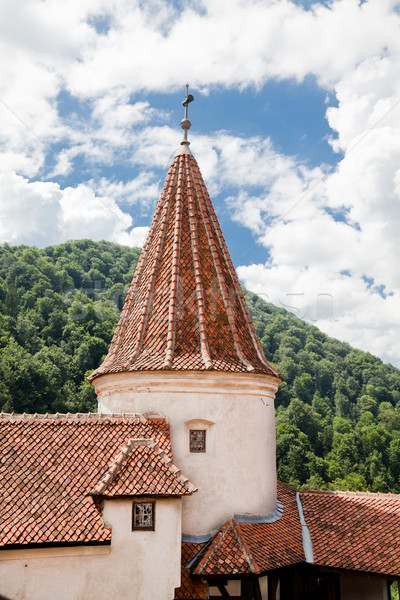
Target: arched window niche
(199,438)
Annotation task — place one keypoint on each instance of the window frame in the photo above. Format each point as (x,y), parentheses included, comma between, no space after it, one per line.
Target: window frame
(153,515)
(204,432)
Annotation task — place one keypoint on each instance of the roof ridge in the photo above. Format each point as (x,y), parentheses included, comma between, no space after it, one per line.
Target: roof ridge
(119,461)
(80,416)
(245,549)
(150,290)
(287,485)
(214,545)
(170,339)
(217,265)
(162,212)
(349,493)
(217,541)
(232,272)
(175,470)
(198,282)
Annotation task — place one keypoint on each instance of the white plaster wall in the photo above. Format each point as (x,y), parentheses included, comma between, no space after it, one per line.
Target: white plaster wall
(237,474)
(264,587)
(354,587)
(139,565)
(233,588)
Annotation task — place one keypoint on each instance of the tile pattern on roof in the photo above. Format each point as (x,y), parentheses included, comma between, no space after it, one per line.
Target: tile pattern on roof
(356,531)
(50,464)
(228,553)
(141,468)
(191,588)
(353,531)
(244,548)
(185,308)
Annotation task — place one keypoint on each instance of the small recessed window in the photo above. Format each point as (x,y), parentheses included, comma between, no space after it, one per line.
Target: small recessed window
(143,515)
(197,440)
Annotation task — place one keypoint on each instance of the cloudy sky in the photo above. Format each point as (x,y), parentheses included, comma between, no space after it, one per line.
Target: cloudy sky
(296,128)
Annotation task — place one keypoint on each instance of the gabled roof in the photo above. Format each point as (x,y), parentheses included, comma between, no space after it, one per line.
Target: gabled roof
(51,463)
(141,468)
(343,530)
(185,309)
(228,553)
(354,530)
(244,548)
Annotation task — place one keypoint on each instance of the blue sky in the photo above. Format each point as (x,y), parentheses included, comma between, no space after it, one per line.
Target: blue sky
(295,127)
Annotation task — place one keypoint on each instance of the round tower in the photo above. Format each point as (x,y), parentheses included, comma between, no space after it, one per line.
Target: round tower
(185,347)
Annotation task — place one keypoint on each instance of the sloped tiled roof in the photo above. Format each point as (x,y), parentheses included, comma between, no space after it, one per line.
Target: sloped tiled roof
(185,309)
(49,466)
(349,530)
(228,553)
(244,548)
(141,468)
(191,588)
(357,531)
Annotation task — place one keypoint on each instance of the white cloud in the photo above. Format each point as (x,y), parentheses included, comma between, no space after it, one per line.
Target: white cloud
(144,190)
(230,42)
(40,213)
(29,212)
(339,305)
(108,54)
(135,237)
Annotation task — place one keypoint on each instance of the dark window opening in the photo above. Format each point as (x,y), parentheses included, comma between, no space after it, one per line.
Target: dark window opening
(143,514)
(197,440)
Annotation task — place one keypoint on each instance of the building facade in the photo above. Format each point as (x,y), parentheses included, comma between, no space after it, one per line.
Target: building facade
(96,506)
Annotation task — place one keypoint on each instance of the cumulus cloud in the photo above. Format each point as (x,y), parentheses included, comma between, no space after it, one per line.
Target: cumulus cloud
(230,42)
(41,213)
(74,101)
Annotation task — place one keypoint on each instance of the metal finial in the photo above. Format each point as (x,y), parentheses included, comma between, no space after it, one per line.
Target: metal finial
(185,123)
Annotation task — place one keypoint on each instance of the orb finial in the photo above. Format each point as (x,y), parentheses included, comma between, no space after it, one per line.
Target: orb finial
(185,123)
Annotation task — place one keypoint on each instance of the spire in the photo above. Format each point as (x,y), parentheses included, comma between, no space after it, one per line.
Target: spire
(185,123)
(185,309)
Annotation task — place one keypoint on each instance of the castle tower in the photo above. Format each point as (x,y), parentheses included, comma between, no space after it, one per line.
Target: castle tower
(185,347)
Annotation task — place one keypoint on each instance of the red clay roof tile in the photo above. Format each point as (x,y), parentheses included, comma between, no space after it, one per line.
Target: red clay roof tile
(141,468)
(191,588)
(185,308)
(357,531)
(244,548)
(50,464)
(349,530)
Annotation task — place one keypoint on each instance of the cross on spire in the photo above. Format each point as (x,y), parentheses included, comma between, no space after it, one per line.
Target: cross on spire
(185,123)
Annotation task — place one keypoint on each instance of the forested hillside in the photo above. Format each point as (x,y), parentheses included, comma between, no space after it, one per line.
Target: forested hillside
(338,411)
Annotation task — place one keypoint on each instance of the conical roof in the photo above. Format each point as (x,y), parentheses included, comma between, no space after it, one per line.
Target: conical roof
(185,309)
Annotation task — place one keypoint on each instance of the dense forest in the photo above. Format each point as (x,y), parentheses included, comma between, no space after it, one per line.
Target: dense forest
(338,410)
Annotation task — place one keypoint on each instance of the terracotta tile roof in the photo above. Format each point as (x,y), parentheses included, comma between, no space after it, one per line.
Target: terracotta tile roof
(354,531)
(228,553)
(141,468)
(50,464)
(256,547)
(185,308)
(191,588)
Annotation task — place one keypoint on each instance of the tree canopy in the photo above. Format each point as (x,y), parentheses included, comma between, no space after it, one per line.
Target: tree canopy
(337,411)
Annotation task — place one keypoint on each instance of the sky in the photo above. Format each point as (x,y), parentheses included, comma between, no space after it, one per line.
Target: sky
(295,126)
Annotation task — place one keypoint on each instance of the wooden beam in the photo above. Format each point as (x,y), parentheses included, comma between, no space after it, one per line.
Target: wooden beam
(273,580)
(256,589)
(223,591)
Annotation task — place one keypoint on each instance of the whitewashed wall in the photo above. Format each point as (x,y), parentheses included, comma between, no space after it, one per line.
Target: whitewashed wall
(139,565)
(237,474)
